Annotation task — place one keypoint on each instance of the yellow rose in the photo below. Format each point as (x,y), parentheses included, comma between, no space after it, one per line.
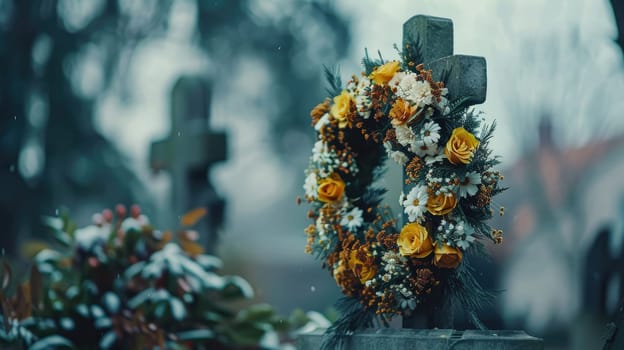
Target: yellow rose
(447,257)
(341,110)
(331,189)
(461,146)
(401,112)
(384,73)
(414,241)
(362,265)
(441,204)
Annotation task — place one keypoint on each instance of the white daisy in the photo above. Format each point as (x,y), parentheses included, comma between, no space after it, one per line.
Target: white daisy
(421,149)
(352,219)
(415,203)
(401,198)
(468,184)
(430,133)
(310,186)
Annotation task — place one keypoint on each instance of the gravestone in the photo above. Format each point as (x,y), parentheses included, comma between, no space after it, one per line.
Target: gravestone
(465,78)
(188,153)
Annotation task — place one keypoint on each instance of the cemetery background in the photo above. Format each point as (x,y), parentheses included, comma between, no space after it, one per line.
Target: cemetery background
(547,61)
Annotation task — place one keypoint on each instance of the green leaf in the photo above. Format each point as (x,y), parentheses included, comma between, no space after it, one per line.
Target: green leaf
(53,342)
(177,308)
(6,275)
(237,287)
(246,334)
(108,340)
(58,226)
(256,313)
(197,334)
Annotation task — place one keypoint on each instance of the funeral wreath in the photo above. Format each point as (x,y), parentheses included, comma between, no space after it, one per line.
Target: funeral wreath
(396,110)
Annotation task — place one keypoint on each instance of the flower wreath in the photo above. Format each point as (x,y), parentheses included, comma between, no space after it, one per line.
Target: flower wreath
(397,110)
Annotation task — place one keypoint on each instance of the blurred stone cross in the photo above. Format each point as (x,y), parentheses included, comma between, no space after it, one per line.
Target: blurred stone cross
(188,153)
(465,78)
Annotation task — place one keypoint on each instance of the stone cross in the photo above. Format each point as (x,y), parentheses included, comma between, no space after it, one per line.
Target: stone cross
(188,153)
(465,78)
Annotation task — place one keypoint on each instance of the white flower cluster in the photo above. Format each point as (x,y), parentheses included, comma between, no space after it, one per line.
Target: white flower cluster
(322,227)
(445,185)
(310,185)
(456,233)
(393,268)
(425,144)
(466,185)
(360,89)
(393,263)
(419,93)
(326,161)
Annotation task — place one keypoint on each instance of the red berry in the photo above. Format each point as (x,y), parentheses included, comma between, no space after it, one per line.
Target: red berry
(121,211)
(107,215)
(93,261)
(135,211)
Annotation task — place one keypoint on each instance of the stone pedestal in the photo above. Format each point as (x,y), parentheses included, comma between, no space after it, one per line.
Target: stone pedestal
(430,339)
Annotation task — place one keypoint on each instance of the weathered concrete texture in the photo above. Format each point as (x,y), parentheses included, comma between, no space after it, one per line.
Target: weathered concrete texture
(430,339)
(434,34)
(467,76)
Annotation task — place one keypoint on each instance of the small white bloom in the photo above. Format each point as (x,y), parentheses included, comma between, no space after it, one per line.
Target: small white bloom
(397,78)
(419,148)
(310,185)
(430,133)
(405,136)
(465,237)
(414,90)
(399,157)
(319,151)
(415,204)
(352,219)
(324,120)
(468,185)
(435,158)
(401,198)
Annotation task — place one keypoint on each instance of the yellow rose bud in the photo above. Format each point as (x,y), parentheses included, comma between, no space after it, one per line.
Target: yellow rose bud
(441,204)
(447,257)
(384,73)
(401,112)
(414,241)
(331,189)
(461,146)
(362,265)
(341,110)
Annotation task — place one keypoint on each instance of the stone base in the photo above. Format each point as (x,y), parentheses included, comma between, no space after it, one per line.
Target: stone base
(430,339)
